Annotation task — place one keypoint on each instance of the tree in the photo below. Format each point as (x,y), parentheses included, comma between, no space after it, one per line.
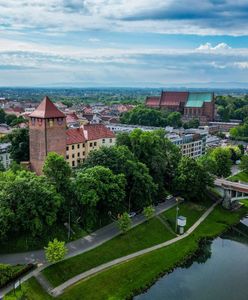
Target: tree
(208,163)
(174,119)
(222,157)
(31,199)
(124,222)
(149,212)
(2,169)
(140,188)
(2,116)
(99,192)
(235,153)
(58,172)
(193,123)
(19,149)
(192,179)
(157,152)
(10,118)
(55,251)
(244,163)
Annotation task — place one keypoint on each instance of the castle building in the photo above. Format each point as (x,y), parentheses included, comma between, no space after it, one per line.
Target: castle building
(48,133)
(191,104)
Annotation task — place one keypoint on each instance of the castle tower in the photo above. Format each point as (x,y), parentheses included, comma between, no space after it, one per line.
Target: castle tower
(47,133)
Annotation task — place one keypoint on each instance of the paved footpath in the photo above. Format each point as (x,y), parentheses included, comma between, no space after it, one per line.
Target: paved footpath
(60,289)
(79,246)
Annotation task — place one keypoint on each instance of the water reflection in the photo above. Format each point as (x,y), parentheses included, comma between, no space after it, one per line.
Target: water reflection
(219,271)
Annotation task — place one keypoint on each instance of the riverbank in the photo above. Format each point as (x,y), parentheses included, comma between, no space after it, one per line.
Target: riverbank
(130,278)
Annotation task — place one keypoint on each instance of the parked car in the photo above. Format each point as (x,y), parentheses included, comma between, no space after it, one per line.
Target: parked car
(132,214)
(169,197)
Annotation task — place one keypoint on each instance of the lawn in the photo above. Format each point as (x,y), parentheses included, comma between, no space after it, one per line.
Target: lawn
(25,242)
(245,202)
(192,211)
(143,236)
(130,278)
(241,176)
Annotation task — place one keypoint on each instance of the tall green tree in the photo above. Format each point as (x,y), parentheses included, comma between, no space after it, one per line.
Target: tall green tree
(55,251)
(157,152)
(140,188)
(99,192)
(192,179)
(222,157)
(19,150)
(31,199)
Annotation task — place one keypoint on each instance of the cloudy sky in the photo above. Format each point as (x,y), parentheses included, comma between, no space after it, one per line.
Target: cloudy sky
(138,43)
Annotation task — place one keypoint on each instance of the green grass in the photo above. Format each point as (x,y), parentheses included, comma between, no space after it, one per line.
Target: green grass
(245,202)
(143,236)
(130,278)
(242,176)
(192,211)
(25,242)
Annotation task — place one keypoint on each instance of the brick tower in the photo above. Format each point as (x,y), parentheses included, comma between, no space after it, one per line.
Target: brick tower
(47,133)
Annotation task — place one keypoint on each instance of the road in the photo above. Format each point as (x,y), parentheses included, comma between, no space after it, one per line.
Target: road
(81,245)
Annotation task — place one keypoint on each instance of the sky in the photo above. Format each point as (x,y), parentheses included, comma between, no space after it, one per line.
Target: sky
(124,43)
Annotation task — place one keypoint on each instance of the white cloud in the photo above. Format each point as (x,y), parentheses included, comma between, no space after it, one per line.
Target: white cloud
(221,47)
(241,65)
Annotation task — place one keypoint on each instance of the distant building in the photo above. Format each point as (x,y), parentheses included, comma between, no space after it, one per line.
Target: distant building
(48,133)
(5,155)
(190,104)
(192,142)
(4,130)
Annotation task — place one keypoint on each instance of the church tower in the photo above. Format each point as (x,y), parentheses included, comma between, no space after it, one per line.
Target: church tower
(47,133)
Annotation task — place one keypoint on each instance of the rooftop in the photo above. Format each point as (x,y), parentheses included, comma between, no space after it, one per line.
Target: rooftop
(198,99)
(47,109)
(173,98)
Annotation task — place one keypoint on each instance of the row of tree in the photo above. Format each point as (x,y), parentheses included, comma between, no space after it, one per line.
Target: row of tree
(10,119)
(136,173)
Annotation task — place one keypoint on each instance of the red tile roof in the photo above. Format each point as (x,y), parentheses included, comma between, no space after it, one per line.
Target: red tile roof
(75,136)
(47,109)
(152,101)
(71,118)
(173,98)
(97,131)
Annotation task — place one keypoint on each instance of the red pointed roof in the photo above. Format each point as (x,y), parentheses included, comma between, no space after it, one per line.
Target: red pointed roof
(47,109)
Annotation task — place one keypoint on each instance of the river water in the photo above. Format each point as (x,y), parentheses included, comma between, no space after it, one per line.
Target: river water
(220,272)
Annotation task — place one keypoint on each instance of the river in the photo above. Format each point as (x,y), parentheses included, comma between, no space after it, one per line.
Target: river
(219,272)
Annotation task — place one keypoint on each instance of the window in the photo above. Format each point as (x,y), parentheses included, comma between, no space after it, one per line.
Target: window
(90,144)
(73,155)
(72,147)
(110,140)
(83,153)
(83,145)
(67,148)
(73,163)
(78,154)
(78,146)
(67,156)
(94,143)
(103,141)
(78,161)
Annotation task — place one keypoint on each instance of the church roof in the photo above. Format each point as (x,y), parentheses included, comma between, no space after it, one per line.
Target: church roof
(173,98)
(47,109)
(198,99)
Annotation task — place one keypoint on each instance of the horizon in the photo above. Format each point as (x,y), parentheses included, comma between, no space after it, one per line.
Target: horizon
(107,43)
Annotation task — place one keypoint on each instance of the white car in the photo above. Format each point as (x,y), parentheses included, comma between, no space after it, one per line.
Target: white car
(169,197)
(132,214)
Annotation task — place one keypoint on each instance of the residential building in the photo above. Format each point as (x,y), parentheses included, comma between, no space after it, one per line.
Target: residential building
(81,141)
(5,155)
(192,142)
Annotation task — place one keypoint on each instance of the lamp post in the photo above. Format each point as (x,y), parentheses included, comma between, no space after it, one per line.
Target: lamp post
(177,209)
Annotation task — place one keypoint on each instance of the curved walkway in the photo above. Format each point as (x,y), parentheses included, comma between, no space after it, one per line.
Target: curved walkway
(60,289)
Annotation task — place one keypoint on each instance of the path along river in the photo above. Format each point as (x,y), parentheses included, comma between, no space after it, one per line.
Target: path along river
(219,272)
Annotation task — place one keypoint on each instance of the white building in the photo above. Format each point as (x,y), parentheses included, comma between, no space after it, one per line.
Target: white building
(5,155)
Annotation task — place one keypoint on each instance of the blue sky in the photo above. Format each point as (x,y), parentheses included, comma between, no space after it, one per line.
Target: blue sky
(139,43)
